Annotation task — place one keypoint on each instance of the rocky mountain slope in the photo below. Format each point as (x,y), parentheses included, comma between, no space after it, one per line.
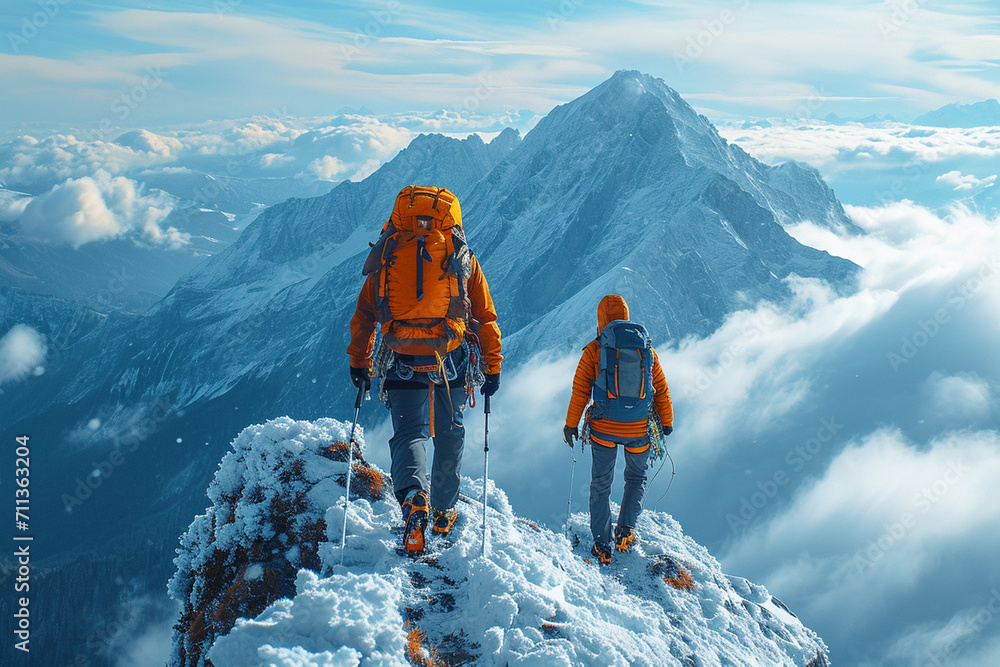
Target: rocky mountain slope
(261,581)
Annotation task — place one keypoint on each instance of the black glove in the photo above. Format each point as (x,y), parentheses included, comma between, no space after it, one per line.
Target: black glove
(359,376)
(491,385)
(667,430)
(570,434)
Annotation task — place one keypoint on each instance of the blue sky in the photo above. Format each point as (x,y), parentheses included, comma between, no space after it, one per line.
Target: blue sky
(78,63)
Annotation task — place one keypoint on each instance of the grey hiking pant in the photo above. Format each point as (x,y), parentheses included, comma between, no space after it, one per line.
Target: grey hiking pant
(410,409)
(602,475)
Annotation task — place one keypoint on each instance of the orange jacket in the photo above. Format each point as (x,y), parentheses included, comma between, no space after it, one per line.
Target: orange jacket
(363,322)
(613,307)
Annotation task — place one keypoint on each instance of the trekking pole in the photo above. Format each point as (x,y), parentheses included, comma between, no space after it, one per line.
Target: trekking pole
(350,467)
(569,501)
(486,464)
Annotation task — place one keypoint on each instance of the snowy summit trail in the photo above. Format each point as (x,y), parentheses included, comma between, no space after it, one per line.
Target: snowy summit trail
(534,599)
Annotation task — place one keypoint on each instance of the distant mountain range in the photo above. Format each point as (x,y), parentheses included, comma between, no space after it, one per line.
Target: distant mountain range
(978,114)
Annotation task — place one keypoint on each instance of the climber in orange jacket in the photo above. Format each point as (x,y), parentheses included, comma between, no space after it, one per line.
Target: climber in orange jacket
(609,390)
(439,337)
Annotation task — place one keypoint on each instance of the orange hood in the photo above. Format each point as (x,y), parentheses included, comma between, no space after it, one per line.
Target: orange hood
(611,308)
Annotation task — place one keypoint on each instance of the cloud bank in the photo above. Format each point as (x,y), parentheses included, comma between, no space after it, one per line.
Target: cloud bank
(86,209)
(876,164)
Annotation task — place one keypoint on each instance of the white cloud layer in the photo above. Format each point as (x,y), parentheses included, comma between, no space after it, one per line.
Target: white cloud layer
(86,209)
(897,519)
(960,181)
(22,353)
(907,245)
(880,163)
(965,396)
(887,522)
(762,353)
(820,143)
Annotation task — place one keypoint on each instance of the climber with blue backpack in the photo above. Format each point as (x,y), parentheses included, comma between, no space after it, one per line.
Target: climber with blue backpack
(630,407)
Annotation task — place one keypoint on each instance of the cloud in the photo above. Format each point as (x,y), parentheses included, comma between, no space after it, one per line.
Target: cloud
(958,181)
(326,167)
(817,142)
(88,209)
(152,647)
(949,642)
(144,141)
(22,352)
(907,245)
(888,527)
(883,508)
(964,396)
(34,165)
(762,352)
(880,163)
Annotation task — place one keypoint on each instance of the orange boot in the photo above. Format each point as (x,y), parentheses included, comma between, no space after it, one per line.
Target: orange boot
(602,552)
(415,510)
(623,538)
(444,520)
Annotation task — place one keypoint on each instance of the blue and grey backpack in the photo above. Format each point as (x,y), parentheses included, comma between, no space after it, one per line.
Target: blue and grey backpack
(623,391)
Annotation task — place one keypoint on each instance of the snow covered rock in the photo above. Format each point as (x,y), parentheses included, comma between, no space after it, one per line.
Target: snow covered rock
(267,551)
(267,522)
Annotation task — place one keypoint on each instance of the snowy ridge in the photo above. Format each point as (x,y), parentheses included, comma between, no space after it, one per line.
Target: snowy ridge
(533,600)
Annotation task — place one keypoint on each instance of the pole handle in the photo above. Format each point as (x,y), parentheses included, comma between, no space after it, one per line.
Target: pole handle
(361,396)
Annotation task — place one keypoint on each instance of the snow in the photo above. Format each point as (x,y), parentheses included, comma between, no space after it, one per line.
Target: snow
(534,600)
(364,627)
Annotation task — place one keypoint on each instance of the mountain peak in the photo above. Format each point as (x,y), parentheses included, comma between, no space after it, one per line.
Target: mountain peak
(633,83)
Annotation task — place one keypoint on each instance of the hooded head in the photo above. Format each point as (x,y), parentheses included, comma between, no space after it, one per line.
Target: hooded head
(611,308)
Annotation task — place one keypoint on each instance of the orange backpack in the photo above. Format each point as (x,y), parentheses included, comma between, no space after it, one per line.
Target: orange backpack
(421,266)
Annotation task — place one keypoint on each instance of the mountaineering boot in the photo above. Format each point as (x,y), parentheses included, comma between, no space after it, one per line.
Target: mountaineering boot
(602,552)
(415,509)
(623,538)
(444,520)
